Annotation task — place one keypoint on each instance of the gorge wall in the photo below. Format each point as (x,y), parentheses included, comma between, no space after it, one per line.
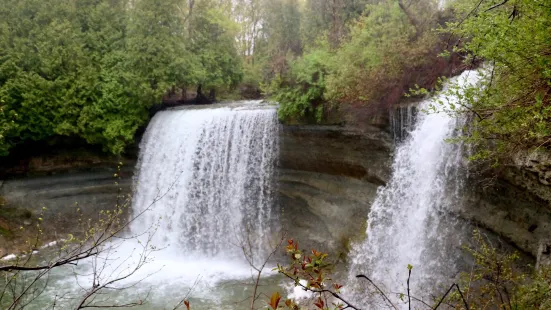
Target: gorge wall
(516,205)
(328,177)
(58,188)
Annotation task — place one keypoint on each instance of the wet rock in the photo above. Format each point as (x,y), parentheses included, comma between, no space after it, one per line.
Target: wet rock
(517,206)
(328,179)
(544,253)
(61,199)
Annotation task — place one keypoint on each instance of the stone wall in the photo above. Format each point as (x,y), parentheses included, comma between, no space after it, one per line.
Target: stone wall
(328,178)
(517,204)
(59,198)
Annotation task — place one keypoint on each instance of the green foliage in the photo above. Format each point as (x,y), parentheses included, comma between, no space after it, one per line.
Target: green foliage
(511,107)
(358,53)
(377,50)
(93,68)
(329,19)
(213,44)
(496,281)
(301,92)
(536,293)
(312,272)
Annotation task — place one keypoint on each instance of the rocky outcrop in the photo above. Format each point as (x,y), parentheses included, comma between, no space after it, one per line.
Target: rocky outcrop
(532,172)
(328,178)
(517,205)
(57,195)
(89,191)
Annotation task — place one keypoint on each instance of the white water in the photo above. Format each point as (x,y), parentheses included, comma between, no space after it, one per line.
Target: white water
(408,222)
(212,170)
(204,179)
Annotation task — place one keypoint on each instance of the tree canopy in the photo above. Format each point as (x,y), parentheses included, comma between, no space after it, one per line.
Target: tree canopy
(347,53)
(92,68)
(511,108)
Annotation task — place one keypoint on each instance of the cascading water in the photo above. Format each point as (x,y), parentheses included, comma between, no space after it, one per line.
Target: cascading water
(203,187)
(409,222)
(210,173)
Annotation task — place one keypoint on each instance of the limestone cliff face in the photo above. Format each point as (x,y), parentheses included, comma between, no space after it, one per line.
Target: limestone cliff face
(328,178)
(517,206)
(60,198)
(89,191)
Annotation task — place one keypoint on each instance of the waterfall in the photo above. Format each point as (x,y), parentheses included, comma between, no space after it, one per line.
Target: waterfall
(210,172)
(403,118)
(410,222)
(203,182)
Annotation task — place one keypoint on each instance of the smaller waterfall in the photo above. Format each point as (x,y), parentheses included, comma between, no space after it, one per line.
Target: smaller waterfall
(403,119)
(409,222)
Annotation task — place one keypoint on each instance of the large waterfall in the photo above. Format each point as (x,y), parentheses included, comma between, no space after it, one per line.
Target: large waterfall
(410,222)
(203,192)
(209,173)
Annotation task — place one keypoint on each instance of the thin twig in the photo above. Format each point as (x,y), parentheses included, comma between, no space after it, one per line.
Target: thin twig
(409,296)
(378,289)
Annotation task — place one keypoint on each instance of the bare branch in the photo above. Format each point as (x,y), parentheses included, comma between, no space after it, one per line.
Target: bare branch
(378,289)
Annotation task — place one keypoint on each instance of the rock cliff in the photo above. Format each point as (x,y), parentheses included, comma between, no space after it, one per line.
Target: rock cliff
(517,205)
(328,178)
(59,192)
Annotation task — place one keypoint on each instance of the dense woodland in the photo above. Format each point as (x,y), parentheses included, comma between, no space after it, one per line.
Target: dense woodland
(92,69)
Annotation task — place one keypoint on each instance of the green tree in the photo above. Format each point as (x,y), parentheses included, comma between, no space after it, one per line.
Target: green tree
(92,69)
(511,107)
(373,63)
(213,36)
(301,91)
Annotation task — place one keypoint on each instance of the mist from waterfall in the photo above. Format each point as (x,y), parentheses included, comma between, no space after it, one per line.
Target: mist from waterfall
(410,223)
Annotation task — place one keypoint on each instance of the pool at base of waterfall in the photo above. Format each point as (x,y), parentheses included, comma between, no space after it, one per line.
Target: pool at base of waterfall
(161,284)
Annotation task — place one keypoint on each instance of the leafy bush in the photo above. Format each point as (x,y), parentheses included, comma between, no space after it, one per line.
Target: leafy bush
(511,108)
(376,59)
(496,281)
(301,92)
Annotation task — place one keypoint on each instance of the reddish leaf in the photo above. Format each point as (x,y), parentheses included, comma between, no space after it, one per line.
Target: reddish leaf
(274,300)
(186,302)
(320,304)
